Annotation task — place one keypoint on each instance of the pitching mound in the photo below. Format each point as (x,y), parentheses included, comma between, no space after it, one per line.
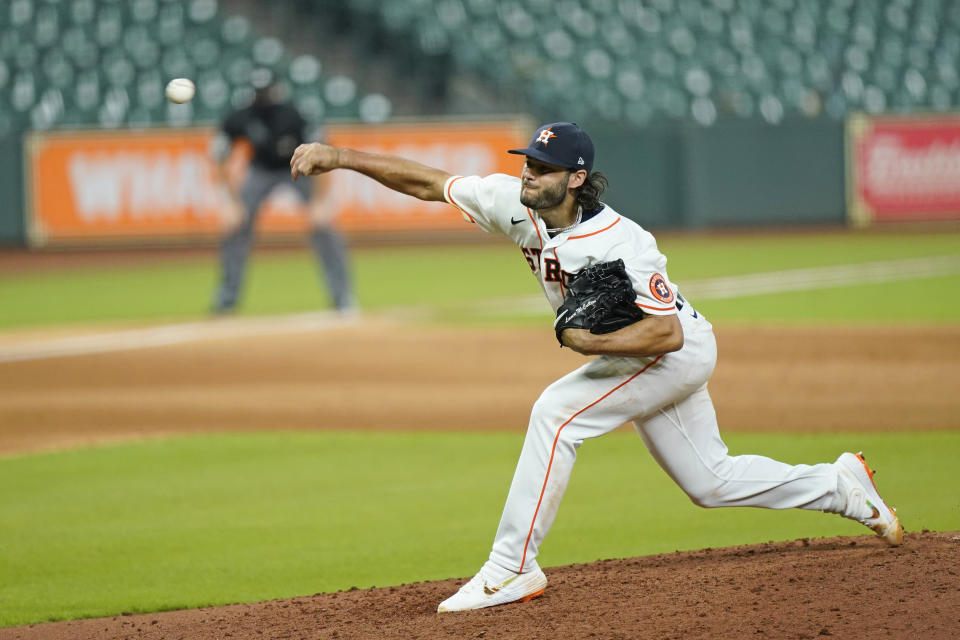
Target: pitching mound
(841,587)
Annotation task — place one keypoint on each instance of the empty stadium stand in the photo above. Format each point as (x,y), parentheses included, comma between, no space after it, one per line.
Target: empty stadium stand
(105,63)
(637,62)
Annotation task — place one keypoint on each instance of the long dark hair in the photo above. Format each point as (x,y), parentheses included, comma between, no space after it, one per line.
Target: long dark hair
(588,194)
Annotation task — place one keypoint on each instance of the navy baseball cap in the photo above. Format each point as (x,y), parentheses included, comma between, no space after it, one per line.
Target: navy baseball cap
(562,144)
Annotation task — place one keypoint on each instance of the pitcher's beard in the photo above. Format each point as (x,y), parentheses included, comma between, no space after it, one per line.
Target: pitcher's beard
(547,198)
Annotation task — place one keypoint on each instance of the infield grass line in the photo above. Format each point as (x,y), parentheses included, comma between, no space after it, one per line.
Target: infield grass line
(167,335)
(756,284)
(442,279)
(721,288)
(822,277)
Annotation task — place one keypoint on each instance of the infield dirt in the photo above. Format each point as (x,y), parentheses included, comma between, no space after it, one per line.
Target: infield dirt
(374,375)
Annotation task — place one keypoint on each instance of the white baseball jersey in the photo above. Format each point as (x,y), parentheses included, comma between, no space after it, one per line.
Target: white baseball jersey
(665,396)
(493,203)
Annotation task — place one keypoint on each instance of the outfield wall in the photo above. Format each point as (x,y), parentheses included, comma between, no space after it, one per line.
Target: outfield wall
(95,187)
(676,176)
(730,174)
(12,231)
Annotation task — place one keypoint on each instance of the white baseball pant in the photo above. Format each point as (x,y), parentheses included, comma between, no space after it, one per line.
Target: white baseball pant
(668,402)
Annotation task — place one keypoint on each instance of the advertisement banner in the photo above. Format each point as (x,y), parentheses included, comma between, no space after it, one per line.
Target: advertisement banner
(161,184)
(903,168)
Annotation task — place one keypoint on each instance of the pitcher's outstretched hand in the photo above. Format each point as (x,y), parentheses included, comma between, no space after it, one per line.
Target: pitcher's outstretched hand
(313,158)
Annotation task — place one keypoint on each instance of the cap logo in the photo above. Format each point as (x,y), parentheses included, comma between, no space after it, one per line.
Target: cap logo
(545,136)
(580,160)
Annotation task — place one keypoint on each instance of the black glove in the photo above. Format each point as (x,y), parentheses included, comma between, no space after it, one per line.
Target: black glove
(600,299)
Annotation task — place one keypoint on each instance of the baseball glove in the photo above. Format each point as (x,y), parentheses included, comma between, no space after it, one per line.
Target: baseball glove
(600,299)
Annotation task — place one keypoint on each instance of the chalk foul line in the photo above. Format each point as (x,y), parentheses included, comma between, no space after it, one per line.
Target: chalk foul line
(167,335)
(755,284)
(707,289)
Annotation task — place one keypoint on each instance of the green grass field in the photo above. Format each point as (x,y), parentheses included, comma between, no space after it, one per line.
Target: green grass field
(444,278)
(193,521)
(218,519)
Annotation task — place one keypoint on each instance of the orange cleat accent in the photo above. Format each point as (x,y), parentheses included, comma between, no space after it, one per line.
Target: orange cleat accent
(532,596)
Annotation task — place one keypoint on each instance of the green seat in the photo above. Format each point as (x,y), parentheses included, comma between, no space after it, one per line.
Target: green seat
(202,12)
(79,45)
(142,11)
(236,30)
(23,93)
(874,100)
(20,13)
(176,63)
(885,77)
(638,113)
(170,25)
(46,26)
(630,82)
(149,91)
(143,50)
(58,69)
(948,75)
(82,12)
(25,58)
(339,91)
(268,52)
(205,52)
(374,108)
(213,90)
(309,102)
(109,27)
(85,97)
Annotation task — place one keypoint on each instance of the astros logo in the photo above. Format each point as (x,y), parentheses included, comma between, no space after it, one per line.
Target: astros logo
(545,136)
(659,288)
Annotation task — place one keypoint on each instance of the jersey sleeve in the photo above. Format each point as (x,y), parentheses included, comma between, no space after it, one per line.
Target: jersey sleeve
(656,295)
(487,201)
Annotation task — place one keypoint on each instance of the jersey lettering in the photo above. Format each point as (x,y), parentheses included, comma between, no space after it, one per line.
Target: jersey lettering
(551,270)
(533,257)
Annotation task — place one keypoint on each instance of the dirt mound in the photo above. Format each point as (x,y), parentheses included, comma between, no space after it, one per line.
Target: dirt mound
(841,587)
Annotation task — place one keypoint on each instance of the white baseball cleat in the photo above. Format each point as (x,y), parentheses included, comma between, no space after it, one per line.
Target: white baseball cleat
(864,503)
(494,585)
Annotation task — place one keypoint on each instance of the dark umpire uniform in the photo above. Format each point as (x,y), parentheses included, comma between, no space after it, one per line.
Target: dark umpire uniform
(274,129)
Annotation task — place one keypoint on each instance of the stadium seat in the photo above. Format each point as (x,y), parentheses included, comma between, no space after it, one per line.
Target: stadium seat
(68,62)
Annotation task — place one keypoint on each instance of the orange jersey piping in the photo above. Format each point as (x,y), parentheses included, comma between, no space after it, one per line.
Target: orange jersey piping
(536,227)
(587,235)
(553,451)
(646,306)
(453,202)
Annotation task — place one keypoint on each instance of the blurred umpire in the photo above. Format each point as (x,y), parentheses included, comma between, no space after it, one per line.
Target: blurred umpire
(273,128)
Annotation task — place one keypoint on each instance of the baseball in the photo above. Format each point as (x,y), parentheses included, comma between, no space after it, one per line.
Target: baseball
(180,90)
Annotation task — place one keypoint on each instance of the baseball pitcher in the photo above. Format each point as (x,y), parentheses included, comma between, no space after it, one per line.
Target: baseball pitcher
(608,285)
